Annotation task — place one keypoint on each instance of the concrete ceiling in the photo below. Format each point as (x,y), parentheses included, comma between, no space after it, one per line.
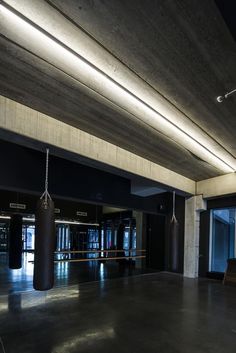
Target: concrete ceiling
(182,49)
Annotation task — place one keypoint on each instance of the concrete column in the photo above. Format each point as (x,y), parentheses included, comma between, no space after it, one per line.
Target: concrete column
(140,237)
(193,206)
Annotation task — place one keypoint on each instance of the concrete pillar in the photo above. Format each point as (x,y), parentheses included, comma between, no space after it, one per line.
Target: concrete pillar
(193,206)
(140,237)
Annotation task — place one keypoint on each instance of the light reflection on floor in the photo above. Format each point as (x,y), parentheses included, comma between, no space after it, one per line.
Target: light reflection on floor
(65,273)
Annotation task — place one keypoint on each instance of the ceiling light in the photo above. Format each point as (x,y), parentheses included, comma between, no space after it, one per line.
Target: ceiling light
(43,44)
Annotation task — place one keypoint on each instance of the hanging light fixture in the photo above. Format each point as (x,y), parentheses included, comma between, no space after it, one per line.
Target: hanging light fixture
(225,96)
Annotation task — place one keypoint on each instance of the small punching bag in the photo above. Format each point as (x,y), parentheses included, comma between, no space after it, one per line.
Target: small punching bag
(120,236)
(44,240)
(174,239)
(120,242)
(15,242)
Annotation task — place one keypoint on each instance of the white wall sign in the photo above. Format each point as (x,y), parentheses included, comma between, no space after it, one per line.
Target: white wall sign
(19,206)
(80,213)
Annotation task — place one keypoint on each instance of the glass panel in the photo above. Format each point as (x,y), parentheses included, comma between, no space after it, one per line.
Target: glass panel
(109,237)
(93,241)
(134,239)
(102,242)
(223,238)
(28,234)
(3,237)
(126,242)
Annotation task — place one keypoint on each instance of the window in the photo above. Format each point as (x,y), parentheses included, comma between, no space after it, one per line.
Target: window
(28,237)
(222,246)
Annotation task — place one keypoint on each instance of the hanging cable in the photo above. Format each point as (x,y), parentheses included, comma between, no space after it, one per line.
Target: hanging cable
(174,240)
(46,194)
(173,219)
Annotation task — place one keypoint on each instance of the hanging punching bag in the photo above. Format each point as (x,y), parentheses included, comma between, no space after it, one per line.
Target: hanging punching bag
(44,245)
(174,234)
(174,240)
(15,242)
(44,240)
(120,236)
(120,242)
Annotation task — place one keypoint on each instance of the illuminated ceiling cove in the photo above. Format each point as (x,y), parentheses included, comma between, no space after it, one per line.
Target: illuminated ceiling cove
(43,37)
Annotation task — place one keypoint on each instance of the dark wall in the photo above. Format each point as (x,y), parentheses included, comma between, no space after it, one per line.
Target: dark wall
(23,172)
(222,202)
(68,209)
(23,169)
(204,243)
(156,232)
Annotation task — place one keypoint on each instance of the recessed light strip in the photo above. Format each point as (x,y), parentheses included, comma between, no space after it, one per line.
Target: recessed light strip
(30,37)
(57,221)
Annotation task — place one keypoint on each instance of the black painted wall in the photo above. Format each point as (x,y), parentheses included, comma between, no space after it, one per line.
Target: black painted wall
(23,169)
(222,202)
(72,184)
(68,209)
(156,241)
(204,243)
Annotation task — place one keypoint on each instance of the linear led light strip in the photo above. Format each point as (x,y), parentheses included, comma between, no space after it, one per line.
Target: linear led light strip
(58,221)
(50,49)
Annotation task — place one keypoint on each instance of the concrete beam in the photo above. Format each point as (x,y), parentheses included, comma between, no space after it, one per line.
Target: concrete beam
(218,186)
(19,119)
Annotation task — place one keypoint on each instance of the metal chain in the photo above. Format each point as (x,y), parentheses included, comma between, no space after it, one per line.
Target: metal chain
(173,204)
(3,348)
(46,176)
(173,219)
(46,194)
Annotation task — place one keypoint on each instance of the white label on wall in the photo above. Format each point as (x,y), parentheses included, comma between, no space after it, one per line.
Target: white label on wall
(57,210)
(19,206)
(80,213)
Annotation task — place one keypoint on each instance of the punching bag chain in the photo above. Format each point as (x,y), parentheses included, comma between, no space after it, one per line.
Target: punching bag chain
(46,194)
(173,219)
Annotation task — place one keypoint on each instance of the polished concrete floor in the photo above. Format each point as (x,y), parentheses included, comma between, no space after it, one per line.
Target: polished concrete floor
(154,313)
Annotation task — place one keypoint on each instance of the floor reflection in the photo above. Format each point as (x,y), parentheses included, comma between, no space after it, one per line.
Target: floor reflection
(66,273)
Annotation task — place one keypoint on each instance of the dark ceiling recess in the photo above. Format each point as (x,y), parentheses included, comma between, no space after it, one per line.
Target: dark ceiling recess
(228,11)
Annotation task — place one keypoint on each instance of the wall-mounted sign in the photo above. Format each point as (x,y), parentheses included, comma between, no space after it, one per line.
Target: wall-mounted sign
(80,213)
(19,206)
(57,210)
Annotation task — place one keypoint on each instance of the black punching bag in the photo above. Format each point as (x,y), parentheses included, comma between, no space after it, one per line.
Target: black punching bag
(44,245)
(15,242)
(120,237)
(174,236)
(120,243)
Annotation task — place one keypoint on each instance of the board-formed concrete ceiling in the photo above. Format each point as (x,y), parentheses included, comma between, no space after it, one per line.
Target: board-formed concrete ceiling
(182,49)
